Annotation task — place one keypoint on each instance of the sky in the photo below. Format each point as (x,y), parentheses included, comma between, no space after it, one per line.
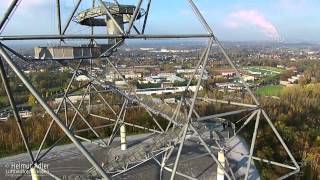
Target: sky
(231,20)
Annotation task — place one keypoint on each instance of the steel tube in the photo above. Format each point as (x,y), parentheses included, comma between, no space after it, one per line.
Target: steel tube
(104,100)
(197,66)
(129,124)
(134,27)
(103,36)
(209,151)
(134,16)
(253,142)
(69,126)
(227,102)
(14,108)
(114,130)
(58,16)
(180,174)
(272,162)
(243,125)
(146,17)
(8,13)
(289,174)
(58,109)
(191,108)
(208,28)
(200,16)
(84,120)
(225,114)
(71,16)
(111,16)
(154,119)
(52,113)
(280,139)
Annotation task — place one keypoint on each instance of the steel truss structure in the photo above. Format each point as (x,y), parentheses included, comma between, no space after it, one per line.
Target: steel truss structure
(182,119)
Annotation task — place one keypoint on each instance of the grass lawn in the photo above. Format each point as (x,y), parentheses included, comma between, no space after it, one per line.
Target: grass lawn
(273,90)
(275,69)
(2,99)
(266,70)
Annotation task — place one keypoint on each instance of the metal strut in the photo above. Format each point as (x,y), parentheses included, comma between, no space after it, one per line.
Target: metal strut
(56,118)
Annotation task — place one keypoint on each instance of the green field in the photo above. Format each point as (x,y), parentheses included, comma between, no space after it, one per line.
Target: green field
(273,90)
(264,70)
(2,99)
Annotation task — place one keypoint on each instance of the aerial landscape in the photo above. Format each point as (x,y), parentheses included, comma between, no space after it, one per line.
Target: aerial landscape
(159,89)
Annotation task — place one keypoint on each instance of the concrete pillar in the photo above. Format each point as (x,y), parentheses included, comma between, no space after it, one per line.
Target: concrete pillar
(221,159)
(123,137)
(34,174)
(112,28)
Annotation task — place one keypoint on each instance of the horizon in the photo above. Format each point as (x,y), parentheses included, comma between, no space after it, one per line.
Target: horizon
(249,21)
(23,44)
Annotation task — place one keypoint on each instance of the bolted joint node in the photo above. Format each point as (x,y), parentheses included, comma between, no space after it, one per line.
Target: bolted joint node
(259,107)
(212,36)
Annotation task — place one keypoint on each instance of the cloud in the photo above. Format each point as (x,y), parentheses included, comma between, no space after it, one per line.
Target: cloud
(252,17)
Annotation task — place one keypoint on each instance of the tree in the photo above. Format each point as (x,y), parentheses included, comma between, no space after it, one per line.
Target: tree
(303,80)
(32,101)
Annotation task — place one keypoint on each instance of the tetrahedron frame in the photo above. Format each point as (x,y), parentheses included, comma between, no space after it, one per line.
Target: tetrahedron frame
(183,122)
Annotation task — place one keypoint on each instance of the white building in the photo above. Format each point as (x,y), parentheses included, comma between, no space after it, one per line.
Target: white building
(228,73)
(25,114)
(196,76)
(127,74)
(187,73)
(192,70)
(171,90)
(73,99)
(82,78)
(170,100)
(228,86)
(169,77)
(247,78)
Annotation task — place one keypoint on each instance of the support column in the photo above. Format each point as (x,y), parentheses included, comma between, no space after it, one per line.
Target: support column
(34,173)
(123,137)
(113,29)
(220,170)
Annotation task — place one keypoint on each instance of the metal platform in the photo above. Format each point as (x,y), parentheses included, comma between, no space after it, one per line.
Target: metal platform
(122,13)
(69,52)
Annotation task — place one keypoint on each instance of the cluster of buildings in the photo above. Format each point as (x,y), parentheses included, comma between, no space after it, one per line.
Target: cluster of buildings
(162,78)
(165,82)
(229,86)
(187,73)
(284,54)
(291,80)
(132,72)
(166,90)
(24,111)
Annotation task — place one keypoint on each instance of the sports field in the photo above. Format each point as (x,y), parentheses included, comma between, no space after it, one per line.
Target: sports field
(272,90)
(263,70)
